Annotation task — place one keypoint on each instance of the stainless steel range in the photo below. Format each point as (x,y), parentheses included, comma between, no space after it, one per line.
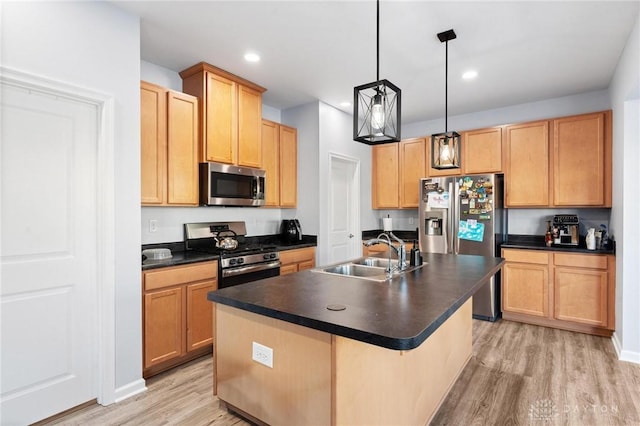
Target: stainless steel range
(241,261)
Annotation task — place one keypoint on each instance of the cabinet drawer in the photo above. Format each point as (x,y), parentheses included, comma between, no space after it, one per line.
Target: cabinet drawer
(167,277)
(580,260)
(297,256)
(526,256)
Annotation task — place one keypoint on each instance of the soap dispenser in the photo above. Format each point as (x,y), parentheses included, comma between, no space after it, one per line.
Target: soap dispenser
(415,258)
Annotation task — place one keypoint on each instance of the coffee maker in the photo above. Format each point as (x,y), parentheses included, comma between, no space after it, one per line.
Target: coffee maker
(565,229)
(291,231)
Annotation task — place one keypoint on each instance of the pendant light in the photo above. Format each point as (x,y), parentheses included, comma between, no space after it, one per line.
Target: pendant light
(376,114)
(445,147)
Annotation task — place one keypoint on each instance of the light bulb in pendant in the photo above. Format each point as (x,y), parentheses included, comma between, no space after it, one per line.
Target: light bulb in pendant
(377,113)
(445,155)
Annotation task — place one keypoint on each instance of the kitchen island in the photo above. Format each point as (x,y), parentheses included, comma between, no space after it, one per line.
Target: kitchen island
(344,350)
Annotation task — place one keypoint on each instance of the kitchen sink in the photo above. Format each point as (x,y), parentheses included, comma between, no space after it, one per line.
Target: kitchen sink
(368,268)
(376,261)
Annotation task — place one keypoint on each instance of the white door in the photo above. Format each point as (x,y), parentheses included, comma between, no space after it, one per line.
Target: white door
(48,254)
(344,209)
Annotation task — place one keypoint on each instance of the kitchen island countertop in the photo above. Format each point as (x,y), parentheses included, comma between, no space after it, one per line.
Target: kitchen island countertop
(397,314)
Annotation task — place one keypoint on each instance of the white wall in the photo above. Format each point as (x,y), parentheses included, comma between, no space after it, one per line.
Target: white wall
(95,45)
(625,95)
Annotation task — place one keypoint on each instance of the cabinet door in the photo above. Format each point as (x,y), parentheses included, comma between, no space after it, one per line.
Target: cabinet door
(482,151)
(288,167)
(581,295)
(527,166)
(288,269)
(525,289)
(271,162)
(199,315)
(249,127)
(182,149)
(413,159)
(579,172)
(153,138)
(163,326)
(221,121)
(385,176)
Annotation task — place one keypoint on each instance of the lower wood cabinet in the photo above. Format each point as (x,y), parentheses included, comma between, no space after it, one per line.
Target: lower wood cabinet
(297,260)
(572,291)
(178,318)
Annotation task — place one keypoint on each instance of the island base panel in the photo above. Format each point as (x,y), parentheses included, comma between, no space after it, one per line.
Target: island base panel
(297,390)
(379,386)
(319,378)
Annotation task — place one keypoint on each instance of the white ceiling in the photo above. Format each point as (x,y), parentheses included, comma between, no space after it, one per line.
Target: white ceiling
(320,50)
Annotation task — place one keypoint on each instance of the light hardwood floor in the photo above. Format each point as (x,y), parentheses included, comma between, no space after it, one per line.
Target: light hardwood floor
(519,375)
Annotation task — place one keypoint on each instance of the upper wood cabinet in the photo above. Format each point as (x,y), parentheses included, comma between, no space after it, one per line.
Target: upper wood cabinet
(582,160)
(527,165)
(482,151)
(231,115)
(385,176)
(396,169)
(413,159)
(169,146)
(280,161)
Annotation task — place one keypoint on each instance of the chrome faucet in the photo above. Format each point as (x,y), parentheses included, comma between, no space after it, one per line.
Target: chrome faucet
(401,250)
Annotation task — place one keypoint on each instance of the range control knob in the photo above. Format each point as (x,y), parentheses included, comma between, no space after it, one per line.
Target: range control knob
(266,256)
(273,255)
(240,261)
(232,261)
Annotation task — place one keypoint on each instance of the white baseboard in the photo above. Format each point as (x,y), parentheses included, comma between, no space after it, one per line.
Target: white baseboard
(624,355)
(131,389)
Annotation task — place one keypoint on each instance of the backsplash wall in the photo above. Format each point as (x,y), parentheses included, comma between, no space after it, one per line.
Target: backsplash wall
(520,221)
(170,220)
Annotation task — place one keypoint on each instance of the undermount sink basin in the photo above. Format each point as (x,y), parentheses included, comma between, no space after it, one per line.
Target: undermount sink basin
(354,270)
(368,268)
(376,261)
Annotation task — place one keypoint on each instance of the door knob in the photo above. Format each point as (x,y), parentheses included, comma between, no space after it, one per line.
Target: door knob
(351,235)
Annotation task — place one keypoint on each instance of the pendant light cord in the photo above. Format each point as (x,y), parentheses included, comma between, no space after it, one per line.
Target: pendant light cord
(446,85)
(377,40)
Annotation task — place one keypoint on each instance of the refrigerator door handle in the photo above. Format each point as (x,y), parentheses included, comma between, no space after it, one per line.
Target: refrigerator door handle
(456,216)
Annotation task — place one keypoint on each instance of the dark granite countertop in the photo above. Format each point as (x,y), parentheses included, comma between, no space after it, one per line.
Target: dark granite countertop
(182,257)
(536,242)
(397,314)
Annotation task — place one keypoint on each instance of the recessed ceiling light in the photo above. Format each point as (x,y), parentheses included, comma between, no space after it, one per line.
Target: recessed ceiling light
(345,104)
(252,57)
(470,75)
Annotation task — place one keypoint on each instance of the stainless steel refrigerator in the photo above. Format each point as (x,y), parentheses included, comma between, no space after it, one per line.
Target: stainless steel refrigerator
(465,215)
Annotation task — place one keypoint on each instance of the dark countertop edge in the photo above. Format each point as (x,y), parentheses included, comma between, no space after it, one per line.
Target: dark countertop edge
(536,242)
(182,257)
(395,343)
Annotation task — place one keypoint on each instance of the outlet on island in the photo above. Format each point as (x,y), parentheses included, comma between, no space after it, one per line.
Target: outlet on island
(262,354)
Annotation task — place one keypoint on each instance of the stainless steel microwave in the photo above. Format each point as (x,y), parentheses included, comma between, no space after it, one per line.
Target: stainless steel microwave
(227,185)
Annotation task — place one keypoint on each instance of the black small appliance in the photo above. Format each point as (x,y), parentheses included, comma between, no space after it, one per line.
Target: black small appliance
(291,231)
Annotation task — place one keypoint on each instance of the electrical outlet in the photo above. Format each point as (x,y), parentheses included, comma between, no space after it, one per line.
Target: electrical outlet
(411,221)
(262,354)
(153,225)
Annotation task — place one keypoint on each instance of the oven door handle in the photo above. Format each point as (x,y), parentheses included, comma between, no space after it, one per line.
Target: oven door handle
(232,272)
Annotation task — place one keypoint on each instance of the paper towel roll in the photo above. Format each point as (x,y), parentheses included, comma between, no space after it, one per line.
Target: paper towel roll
(386,224)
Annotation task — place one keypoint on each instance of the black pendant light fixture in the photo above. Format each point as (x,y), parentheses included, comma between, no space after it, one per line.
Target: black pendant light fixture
(376,106)
(445,147)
